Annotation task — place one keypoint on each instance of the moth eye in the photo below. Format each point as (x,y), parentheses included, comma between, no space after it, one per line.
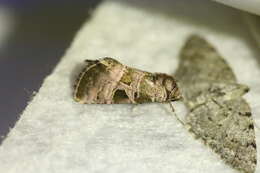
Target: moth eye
(168,84)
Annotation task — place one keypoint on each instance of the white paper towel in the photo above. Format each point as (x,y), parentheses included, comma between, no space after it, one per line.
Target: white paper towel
(252,6)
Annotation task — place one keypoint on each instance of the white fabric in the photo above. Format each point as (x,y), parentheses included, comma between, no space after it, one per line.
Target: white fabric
(56,134)
(252,6)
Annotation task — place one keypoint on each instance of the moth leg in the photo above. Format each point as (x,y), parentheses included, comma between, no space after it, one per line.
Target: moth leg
(129,92)
(173,110)
(172,107)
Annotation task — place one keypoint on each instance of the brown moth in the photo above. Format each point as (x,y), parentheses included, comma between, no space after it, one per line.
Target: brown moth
(107,81)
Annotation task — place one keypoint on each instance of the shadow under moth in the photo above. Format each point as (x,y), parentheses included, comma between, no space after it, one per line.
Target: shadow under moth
(107,81)
(218,115)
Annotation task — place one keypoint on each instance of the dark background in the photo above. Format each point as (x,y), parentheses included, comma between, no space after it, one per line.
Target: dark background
(42,32)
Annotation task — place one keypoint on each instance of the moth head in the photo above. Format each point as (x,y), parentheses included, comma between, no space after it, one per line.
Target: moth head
(170,85)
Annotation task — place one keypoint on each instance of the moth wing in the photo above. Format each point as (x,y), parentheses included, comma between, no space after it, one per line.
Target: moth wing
(199,60)
(83,80)
(201,91)
(228,129)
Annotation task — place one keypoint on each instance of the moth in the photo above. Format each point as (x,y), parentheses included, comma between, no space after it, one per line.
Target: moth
(218,115)
(107,81)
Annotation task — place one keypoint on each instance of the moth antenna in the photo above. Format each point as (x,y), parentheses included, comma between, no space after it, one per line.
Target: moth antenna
(173,110)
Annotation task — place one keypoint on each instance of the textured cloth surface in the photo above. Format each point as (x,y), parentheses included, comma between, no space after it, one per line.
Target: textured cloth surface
(56,134)
(252,6)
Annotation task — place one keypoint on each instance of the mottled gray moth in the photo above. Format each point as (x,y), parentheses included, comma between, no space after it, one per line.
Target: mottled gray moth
(218,115)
